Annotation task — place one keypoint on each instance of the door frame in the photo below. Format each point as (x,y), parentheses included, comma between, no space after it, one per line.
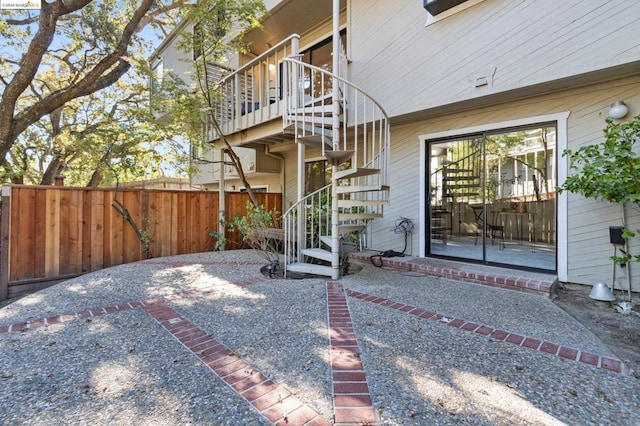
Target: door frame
(561,120)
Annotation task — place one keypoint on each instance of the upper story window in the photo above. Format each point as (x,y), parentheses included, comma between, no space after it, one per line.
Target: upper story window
(198,40)
(157,75)
(216,26)
(440,9)
(436,7)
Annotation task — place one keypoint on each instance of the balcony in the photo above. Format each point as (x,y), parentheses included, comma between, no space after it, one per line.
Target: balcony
(252,94)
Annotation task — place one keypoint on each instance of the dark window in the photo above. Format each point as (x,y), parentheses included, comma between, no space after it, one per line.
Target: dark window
(435,7)
(320,56)
(198,41)
(317,175)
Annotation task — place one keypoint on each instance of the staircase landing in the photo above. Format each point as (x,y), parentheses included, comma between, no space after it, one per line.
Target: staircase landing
(509,279)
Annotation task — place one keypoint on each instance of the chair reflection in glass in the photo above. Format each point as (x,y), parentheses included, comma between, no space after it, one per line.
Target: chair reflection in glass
(492,229)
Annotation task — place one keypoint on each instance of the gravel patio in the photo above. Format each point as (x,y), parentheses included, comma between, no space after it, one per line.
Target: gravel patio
(207,339)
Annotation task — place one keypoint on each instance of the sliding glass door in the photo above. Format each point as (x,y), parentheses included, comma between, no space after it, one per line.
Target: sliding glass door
(491,197)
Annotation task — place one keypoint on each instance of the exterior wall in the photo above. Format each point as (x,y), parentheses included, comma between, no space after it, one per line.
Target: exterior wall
(175,60)
(492,62)
(588,224)
(514,45)
(264,174)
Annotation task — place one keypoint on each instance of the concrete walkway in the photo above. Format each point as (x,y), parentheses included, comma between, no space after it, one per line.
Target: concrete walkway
(207,339)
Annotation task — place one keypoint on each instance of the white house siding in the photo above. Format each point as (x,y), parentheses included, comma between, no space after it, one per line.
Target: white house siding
(174,59)
(513,44)
(207,171)
(207,174)
(588,223)
(538,58)
(290,193)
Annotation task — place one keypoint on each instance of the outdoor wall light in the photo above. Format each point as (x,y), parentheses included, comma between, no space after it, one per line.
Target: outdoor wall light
(618,110)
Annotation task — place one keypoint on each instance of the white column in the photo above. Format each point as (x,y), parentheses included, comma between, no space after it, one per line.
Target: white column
(335,241)
(221,200)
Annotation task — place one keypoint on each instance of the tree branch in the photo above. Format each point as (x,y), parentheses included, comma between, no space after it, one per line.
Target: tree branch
(106,72)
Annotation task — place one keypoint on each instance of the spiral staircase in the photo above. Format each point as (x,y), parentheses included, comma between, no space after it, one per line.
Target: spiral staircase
(351,130)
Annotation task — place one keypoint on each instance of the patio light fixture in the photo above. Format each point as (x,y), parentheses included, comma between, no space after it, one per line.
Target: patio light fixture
(618,110)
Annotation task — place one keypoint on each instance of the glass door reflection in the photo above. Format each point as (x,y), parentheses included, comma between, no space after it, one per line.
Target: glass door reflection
(492,198)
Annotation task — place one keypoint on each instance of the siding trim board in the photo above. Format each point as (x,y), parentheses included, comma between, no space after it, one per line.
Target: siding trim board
(561,120)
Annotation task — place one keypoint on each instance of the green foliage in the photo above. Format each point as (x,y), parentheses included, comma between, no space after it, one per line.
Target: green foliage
(221,239)
(258,228)
(105,120)
(111,133)
(609,170)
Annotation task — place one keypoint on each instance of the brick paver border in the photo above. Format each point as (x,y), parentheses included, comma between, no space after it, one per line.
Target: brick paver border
(271,400)
(352,403)
(58,319)
(352,400)
(507,282)
(571,354)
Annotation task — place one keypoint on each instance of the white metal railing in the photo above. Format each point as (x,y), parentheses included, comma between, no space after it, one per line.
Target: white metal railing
(253,93)
(305,222)
(365,124)
(364,130)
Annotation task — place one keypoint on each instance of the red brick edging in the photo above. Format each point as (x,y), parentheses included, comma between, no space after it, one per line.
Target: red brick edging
(271,400)
(525,285)
(352,402)
(550,348)
(58,319)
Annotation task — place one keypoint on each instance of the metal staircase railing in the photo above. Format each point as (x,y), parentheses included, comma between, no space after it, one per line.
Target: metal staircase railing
(364,123)
(305,222)
(360,145)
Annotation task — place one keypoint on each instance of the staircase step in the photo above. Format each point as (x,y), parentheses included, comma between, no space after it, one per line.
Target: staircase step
(362,203)
(449,170)
(313,120)
(307,129)
(462,194)
(335,158)
(318,253)
(348,228)
(347,189)
(342,230)
(459,178)
(310,268)
(316,141)
(359,172)
(313,109)
(462,186)
(360,216)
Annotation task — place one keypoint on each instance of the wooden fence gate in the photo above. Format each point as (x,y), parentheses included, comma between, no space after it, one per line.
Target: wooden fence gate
(49,234)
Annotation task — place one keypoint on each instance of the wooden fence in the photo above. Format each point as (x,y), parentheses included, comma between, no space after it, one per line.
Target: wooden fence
(49,234)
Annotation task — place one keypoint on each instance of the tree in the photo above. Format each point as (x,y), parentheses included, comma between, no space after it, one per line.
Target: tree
(610,170)
(73,49)
(217,33)
(91,138)
(91,39)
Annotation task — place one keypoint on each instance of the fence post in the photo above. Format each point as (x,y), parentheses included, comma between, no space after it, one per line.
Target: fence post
(5,226)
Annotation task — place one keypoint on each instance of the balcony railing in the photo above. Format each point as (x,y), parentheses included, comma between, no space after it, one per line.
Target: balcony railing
(253,93)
